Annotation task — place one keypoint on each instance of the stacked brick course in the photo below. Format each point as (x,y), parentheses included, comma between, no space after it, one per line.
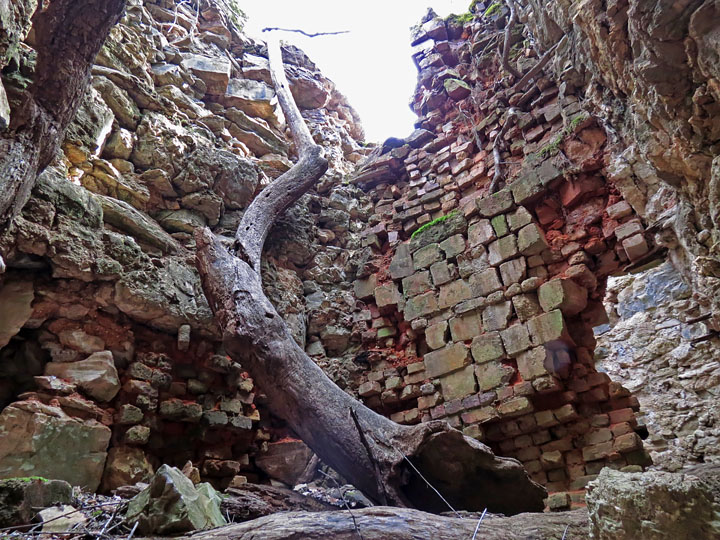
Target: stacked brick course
(484,315)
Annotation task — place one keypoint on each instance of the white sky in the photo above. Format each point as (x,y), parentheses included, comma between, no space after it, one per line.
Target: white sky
(371,65)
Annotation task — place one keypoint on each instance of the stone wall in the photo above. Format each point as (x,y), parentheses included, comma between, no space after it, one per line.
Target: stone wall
(479,308)
(106,340)
(649,349)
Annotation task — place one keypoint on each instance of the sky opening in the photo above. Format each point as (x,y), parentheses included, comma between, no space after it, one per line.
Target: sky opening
(371,64)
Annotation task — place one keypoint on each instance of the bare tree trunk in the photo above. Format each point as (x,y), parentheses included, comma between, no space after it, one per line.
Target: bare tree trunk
(67,36)
(367,449)
(402,524)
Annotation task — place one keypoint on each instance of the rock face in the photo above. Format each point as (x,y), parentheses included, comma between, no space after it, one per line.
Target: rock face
(647,349)
(21,497)
(172,504)
(653,72)
(103,324)
(96,375)
(652,506)
(42,440)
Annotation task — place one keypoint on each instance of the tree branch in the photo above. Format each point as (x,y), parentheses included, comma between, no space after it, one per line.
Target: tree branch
(303,32)
(290,186)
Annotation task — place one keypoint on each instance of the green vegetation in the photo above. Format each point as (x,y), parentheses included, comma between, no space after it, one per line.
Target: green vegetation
(28,479)
(552,147)
(237,15)
(459,19)
(448,84)
(433,222)
(493,9)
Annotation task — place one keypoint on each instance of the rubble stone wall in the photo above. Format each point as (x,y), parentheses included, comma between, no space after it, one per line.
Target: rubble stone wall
(479,308)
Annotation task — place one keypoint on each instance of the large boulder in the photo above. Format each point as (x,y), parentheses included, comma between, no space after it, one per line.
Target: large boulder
(285,460)
(42,440)
(21,497)
(652,506)
(16,300)
(126,466)
(172,504)
(96,375)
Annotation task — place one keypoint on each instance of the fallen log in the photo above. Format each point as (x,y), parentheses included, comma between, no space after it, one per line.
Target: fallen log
(384,523)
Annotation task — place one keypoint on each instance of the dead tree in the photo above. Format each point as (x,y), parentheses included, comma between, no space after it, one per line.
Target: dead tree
(67,35)
(392,464)
(402,524)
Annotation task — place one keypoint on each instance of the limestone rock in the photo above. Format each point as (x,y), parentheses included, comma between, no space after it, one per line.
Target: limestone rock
(96,375)
(252,97)
(652,506)
(16,300)
(62,518)
(21,497)
(214,71)
(285,460)
(172,504)
(42,440)
(126,466)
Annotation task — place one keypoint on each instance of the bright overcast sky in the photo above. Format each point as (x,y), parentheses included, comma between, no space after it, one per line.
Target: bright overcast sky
(371,64)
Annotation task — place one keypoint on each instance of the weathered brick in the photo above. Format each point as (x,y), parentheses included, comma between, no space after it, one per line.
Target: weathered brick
(519,219)
(416,284)
(387,295)
(619,210)
(455,223)
(548,327)
(453,246)
(635,246)
(552,460)
(496,316)
(402,264)
(465,327)
(503,249)
(513,271)
(597,451)
(531,240)
(485,282)
(627,443)
(435,335)
(493,374)
(425,402)
(526,306)
(628,229)
(442,272)
(563,294)
(369,388)
(515,407)
(426,256)
(420,305)
(497,203)
(531,364)
(365,288)
(487,347)
(472,261)
(598,435)
(453,293)
(499,225)
(515,339)
(458,384)
(450,358)
(479,416)
(480,233)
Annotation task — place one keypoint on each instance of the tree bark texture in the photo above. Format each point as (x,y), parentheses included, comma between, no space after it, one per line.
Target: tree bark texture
(67,35)
(366,448)
(384,523)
